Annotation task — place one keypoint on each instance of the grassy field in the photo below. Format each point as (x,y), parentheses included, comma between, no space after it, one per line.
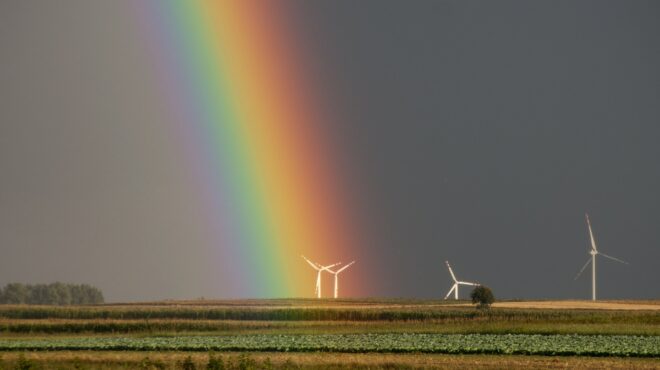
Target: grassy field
(309,333)
(265,360)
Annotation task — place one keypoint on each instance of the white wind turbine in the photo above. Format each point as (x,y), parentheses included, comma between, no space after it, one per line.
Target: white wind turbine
(454,287)
(336,273)
(320,269)
(594,252)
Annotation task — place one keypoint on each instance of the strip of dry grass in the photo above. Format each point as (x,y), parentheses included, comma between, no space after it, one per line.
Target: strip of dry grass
(583,305)
(172,360)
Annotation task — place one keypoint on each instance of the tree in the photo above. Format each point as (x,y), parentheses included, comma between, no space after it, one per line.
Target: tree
(51,294)
(61,293)
(482,296)
(38,294)
(91,295)
(14,293)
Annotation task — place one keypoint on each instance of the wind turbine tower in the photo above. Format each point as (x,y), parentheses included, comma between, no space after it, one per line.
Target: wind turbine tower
(320,269)
(594,252)
(336,273)
(454,287)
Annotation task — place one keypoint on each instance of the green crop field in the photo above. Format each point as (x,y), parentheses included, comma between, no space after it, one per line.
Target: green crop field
(552,345)
(331,334)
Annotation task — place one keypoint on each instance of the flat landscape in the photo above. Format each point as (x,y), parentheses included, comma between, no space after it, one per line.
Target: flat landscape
(584,305)
(347,333)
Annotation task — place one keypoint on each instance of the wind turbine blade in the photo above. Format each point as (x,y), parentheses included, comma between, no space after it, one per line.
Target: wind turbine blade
(591,234)
(318,285)
(326,268)
(451,272)
(344,268)
(467,283)
(450,290)
(583,267)
(613,258)
(310,263)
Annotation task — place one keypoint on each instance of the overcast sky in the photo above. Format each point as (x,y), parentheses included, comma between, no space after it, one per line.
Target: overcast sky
(474,131)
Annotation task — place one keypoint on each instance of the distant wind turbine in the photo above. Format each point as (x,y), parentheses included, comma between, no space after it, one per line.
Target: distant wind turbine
(336,273)
(454,288)
(594,252)
(320,269)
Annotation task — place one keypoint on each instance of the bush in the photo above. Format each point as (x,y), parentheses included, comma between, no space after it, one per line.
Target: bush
(188,364)
(149,364)
(245,362)
(482,296)
(25,364)
(215,363)
(267,365)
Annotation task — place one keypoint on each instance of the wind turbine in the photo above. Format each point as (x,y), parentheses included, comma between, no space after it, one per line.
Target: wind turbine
(320,269)
(594,252)
(336,273)
(454,287)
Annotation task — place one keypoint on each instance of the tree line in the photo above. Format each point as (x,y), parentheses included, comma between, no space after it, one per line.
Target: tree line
(50,294)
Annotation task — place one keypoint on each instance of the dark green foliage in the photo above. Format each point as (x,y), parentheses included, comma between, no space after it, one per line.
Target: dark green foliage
(25,364)
(77,364)
(215,363)
(188,364)
(289,364)
(149,364)
(282,315)
(268,364)
(482,296)
(50,294)
(527,344)
(245,362)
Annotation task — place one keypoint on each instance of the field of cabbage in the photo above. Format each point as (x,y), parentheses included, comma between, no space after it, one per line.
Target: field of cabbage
(555,345)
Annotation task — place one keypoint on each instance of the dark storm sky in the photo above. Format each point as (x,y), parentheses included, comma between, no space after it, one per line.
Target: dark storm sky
(475,131)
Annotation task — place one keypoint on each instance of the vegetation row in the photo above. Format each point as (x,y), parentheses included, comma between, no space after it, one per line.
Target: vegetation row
(554,345)
(50,294)
(326,314)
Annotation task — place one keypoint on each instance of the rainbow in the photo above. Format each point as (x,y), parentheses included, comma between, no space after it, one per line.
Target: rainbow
(257,140)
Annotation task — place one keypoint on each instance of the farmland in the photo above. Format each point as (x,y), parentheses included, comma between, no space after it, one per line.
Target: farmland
(527,344)
(290,333)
